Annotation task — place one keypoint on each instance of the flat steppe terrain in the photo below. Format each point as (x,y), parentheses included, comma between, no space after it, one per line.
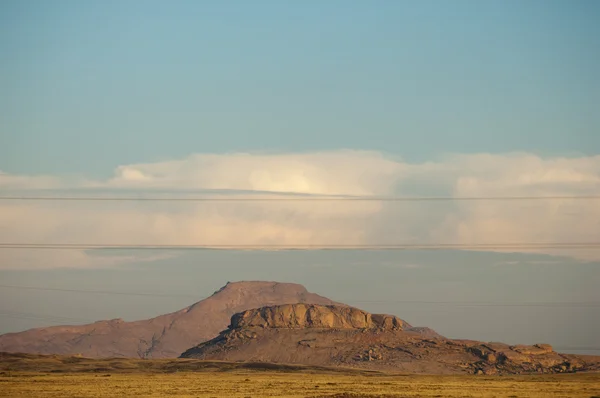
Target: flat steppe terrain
(67,377)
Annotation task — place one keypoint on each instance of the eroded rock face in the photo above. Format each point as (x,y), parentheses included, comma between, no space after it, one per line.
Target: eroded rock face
(330,335)
(301,316)
(388,322)
(537,349)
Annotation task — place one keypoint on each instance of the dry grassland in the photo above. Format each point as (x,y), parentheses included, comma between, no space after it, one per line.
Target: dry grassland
(256,384)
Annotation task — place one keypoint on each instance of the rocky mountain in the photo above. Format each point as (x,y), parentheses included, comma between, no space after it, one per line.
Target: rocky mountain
(330,335)
(161,337)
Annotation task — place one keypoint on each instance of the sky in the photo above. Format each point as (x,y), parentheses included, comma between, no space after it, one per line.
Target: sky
(321,99)
(88,86)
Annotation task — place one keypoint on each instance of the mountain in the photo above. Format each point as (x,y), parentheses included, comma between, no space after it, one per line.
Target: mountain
(330,335)
(161,337)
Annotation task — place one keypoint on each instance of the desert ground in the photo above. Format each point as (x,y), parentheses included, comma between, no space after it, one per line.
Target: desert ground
(50,376)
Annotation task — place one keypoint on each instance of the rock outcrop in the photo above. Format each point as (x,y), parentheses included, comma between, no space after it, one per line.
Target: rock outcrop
(299,316)
(333,335)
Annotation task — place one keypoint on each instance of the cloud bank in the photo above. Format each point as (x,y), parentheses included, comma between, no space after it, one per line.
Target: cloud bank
(321,223)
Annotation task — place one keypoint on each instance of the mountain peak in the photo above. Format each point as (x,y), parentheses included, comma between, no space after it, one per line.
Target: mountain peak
(261,287)
(260,284)
(163,336)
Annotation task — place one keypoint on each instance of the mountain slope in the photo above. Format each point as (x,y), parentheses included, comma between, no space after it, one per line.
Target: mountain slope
(319,335)
(161,337)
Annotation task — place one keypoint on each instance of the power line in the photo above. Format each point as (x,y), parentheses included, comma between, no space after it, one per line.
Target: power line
(407,246)
(568,304)
(299,199)
(41,317)
(57,320)
(99,291)
(359,301)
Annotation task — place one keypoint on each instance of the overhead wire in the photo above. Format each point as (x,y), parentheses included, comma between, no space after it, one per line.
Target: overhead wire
(291,246)
(41,317)
(299,199)
(584,304)
(392,246)
(348,300)
(110,292)
(412,246)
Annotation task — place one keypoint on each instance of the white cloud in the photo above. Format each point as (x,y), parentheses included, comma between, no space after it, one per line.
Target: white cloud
(323,173)
(524,175)
(312,223)
(51,258)
(11,181)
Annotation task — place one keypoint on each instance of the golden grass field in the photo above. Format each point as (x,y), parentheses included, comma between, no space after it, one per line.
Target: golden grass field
(29,375)
(246,383)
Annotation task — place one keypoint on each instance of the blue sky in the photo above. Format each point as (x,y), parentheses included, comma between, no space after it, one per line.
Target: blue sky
(87,86)
(432,98)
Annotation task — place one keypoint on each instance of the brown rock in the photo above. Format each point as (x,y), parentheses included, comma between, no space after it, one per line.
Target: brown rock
(490,357)
(388,322)
(480,351)
(300,316)
(537,349)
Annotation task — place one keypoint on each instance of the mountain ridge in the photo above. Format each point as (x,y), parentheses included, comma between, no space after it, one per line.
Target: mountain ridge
(163,336)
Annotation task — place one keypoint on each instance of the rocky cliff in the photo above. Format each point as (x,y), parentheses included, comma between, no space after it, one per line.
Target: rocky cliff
(301,316)
(330,335)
